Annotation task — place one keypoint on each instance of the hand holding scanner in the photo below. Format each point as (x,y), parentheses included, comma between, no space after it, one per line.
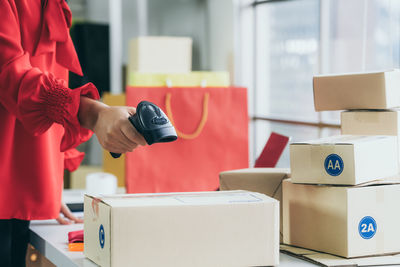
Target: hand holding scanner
(151,122)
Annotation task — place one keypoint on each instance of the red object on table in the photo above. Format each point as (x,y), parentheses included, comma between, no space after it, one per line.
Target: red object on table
(272,151)
(75,236)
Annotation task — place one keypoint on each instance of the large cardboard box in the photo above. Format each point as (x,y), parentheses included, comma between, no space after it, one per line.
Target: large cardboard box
(344,159)
(266,181)
(375,90)
(371,122)
(346,221)
(160,54)
(329,260)
(230,228)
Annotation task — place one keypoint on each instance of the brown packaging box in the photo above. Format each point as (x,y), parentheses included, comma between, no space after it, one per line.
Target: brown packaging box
(267,181)
(348,221)
(344,159)
(375,90)
(230,228)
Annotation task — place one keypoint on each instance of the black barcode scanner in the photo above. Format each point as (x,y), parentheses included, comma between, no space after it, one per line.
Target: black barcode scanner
(151,122)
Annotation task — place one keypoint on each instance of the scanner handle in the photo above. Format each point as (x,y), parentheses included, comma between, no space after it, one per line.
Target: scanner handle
(115,155)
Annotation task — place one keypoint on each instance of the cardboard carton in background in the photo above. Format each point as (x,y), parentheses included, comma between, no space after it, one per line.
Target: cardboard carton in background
(344,159)
(266,181)
(349,221)
(230,228)
(371,122)
(375,90)
(78,177)
(160,54)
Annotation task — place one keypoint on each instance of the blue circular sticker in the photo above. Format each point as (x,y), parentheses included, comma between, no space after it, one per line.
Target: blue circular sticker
(333,165)
(367,227)
(101,236)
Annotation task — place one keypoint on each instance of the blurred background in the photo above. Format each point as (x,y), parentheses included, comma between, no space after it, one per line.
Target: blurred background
(271,47)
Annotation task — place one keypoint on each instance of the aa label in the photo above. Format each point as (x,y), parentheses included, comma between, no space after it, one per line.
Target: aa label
(334,165)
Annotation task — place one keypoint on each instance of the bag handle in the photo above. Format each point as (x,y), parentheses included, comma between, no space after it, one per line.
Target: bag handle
(203,120)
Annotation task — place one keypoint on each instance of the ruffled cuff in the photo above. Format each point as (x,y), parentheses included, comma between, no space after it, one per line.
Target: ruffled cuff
(55,102)
(72,159)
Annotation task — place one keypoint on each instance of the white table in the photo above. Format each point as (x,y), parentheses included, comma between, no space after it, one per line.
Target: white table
(51,240)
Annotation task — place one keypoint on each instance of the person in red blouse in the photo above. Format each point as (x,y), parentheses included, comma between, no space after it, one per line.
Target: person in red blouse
(42,120)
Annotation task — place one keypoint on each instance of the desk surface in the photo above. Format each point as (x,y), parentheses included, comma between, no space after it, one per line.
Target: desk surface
(51,239)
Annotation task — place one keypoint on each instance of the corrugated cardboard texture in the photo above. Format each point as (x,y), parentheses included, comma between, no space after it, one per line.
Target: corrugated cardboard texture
(357,91)
(365,158)
(328,218)
(371,122)
(267,181)
(97,215)
(231,228)
(329,260)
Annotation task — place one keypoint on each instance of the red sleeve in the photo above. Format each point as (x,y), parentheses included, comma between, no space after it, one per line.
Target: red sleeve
(36,98)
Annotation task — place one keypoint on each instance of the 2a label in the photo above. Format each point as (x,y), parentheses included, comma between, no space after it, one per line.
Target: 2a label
(367,227)
(333,165)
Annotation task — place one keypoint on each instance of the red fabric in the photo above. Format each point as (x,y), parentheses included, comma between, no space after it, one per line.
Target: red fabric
(272,151)
(38,112)
(75,236)
(191,164)
(72,159)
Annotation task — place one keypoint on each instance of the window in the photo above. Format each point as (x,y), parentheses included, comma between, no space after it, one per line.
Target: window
(281,45)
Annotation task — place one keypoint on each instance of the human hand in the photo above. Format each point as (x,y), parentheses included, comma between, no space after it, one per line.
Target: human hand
(115,132)
(68,217)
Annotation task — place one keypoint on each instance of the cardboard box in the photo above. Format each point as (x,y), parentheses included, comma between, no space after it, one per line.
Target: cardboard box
(371,122)
(344,159)
(160,54)
(230,228)
(78,177)
(328,260)
(110,164)
(342,220)
(191,79)
(266,181)
(375,90)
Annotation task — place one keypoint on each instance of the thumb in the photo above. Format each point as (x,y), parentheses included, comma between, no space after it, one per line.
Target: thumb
(131,110)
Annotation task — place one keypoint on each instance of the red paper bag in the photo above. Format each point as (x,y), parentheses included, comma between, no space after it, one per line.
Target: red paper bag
(212,127)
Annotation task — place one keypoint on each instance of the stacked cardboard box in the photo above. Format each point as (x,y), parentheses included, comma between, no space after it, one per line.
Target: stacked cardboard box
(344,191)
(230,228)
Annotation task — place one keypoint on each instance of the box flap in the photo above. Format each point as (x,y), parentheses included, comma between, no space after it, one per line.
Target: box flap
(329,260)
(372,110)
(356,73)
(384,181)
(186,198)
(341,140)
(259,170)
